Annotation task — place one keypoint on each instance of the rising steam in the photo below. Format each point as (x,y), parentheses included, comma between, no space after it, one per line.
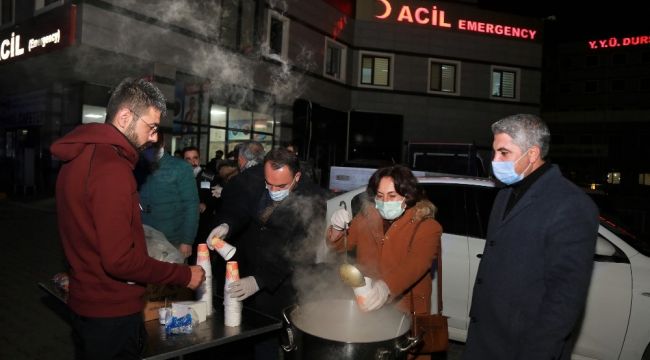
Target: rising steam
(186,34)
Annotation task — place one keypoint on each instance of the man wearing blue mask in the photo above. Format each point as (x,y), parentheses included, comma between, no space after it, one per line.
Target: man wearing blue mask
(284,227)
(532,282)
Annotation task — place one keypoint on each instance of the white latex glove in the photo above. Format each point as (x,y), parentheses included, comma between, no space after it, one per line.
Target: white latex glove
(220,231)
(242,289)
(340,219)
(216,191)
(377,296)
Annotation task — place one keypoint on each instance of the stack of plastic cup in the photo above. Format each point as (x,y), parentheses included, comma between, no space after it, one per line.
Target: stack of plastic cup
(232,307)
(204,292)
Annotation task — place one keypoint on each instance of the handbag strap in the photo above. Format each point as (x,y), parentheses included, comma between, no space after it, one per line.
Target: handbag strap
(439,272)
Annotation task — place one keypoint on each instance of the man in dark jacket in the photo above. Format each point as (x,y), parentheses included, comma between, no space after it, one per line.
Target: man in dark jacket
(207,203)
(169,198)
(101,229)
(242,191)
(286,223)
(534,274)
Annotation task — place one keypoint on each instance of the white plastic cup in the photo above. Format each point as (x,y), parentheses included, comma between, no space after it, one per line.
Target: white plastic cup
(232,317)
(224,249)
(361,292)
(162,315)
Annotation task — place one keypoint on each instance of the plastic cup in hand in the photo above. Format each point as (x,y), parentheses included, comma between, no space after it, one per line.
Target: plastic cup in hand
(224,249)
(361,292)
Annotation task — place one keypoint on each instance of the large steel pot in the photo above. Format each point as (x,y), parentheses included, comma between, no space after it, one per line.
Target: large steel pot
(337,329)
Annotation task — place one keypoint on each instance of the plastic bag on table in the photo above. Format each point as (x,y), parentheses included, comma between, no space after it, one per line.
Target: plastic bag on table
(160,248)
(181,321)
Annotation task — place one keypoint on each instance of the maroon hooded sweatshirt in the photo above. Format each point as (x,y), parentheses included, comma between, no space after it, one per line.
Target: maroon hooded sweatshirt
(99,222)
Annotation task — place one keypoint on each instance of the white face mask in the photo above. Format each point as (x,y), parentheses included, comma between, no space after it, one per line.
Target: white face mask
(196,170)
(280,195)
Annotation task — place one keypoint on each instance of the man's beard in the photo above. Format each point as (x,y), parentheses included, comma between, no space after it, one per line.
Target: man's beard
(133,137)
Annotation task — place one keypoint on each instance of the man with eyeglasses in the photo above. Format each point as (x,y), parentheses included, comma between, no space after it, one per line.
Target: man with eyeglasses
(101,229)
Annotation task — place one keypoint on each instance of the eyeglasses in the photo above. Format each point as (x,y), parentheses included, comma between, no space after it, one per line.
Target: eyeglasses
(153,128)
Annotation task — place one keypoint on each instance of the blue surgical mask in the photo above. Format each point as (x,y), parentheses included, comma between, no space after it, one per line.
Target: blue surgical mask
(505,171)
(280,194)
(389,210)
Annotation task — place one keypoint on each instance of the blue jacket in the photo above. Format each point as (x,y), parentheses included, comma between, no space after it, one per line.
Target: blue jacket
(534,274)
(170,201)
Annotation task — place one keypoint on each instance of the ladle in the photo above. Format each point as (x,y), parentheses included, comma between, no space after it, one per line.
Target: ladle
(350,275)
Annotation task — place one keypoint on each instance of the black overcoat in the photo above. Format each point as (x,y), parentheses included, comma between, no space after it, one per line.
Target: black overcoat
(534,275)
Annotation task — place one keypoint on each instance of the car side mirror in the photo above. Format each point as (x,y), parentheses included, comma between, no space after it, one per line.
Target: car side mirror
(604,247)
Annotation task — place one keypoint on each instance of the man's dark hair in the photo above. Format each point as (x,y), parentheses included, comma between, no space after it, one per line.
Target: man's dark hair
(281,157)
(405,183)
(191,148)
(138,95)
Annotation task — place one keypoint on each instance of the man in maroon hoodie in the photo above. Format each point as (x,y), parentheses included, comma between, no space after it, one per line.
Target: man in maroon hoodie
(100,226)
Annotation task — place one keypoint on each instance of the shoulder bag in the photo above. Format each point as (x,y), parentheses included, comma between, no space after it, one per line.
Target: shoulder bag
(431,328)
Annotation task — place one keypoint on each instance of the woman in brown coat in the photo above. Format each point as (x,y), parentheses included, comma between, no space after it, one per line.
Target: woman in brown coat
(396,240)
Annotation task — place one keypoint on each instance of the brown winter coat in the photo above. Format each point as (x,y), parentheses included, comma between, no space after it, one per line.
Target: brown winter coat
(389,256)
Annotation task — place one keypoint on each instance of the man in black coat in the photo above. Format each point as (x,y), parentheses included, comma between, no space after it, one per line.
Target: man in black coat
(233,214)
(534,275)
(284,227)
(243,190)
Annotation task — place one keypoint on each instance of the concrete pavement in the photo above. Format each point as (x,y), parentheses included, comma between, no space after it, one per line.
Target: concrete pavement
(34,326)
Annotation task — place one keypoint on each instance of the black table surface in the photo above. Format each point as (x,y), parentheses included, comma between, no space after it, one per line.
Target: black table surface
(207,334)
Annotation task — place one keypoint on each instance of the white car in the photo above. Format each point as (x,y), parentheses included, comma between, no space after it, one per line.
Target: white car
(616,324)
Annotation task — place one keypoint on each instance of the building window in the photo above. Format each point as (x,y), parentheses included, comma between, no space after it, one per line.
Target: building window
(444,76)
(93,114)
(376,69)
(224,129)
(278,35)
(238,25)
(45,5)
(505,83)
(6,12)
(335,60)
(644,179)
(614,178)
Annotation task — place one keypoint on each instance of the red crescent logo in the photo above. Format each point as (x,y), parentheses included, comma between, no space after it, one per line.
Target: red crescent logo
(387,7)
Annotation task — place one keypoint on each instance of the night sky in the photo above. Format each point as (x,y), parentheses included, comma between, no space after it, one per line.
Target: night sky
(582,20)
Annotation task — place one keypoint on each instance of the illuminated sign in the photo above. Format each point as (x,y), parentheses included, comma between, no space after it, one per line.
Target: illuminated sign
(47,32)
(442,17)
(12,47)
(613,42)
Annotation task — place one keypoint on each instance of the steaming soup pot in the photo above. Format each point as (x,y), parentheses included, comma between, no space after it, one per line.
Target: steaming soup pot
(337,329)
